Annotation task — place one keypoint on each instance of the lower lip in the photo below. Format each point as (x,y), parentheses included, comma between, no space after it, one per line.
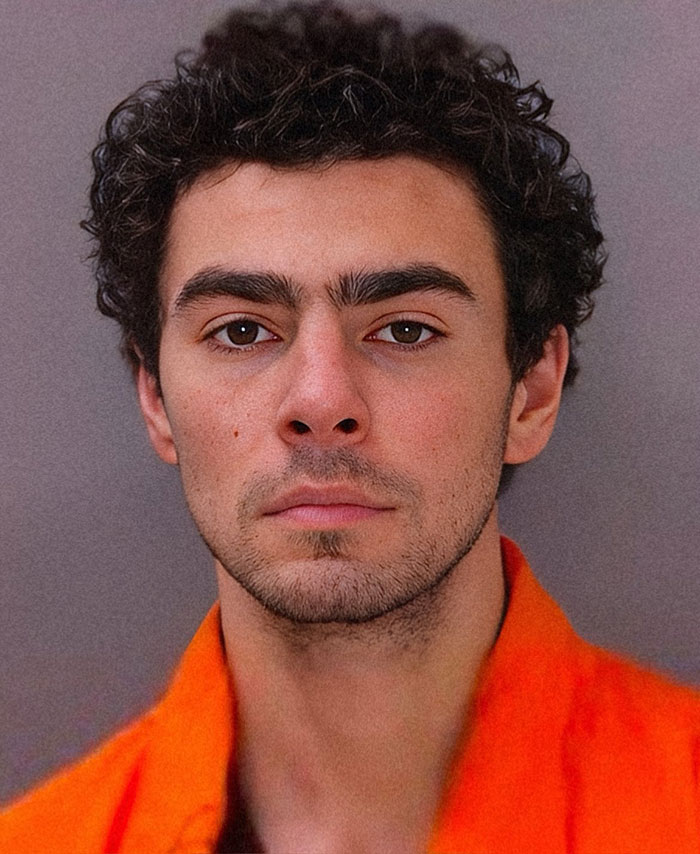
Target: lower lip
(327,515)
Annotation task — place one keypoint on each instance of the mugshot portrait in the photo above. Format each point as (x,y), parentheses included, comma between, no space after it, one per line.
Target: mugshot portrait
(105,578)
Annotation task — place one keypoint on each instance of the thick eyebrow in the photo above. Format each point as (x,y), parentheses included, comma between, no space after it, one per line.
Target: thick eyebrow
(364,287)
(258,287)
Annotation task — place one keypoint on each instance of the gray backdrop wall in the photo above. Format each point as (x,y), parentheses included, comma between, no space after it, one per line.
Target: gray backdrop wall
(103,577)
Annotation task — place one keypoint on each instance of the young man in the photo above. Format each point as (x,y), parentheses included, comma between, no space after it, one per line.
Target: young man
(349,263)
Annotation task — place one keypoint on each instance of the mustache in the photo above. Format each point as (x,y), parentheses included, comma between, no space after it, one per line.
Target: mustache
(330,465)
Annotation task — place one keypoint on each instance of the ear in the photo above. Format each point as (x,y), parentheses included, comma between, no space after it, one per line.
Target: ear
(536,400)
(155,416)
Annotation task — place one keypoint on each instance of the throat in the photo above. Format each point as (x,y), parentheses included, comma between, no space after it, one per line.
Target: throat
(345,736)
(355,798)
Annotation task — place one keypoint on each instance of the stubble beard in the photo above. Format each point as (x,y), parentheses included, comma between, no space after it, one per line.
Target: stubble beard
(331,588)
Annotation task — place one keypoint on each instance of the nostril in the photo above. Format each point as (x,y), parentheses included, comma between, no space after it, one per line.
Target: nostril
(347,425)
(299,427)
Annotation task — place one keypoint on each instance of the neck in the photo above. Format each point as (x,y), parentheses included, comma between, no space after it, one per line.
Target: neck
(346,733)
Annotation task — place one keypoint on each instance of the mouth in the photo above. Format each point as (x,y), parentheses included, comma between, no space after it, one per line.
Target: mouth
(325,507)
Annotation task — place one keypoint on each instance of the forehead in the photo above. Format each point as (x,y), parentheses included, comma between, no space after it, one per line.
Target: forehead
(312,225)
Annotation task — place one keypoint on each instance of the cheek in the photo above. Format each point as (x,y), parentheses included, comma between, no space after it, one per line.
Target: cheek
(211,426)
(449,438)
(442,420)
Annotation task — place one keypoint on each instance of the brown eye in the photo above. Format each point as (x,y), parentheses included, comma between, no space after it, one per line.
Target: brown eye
(406,331)
(238,334)
(242,332)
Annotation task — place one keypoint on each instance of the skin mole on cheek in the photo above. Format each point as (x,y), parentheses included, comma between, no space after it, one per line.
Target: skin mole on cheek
(235,434)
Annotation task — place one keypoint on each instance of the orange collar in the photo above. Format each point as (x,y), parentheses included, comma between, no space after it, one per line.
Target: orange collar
(507,785)
(183,774)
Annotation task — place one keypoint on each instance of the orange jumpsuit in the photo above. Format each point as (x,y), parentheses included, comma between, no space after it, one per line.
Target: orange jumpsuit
(568,748)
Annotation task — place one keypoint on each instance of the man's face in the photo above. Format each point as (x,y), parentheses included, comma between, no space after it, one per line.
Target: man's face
(335,386)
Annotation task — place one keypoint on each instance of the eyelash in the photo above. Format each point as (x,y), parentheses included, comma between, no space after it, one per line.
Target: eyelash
(233,348)
(407,346)
(243,348)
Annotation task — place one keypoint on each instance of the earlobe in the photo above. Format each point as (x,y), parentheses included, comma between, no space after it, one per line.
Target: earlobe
(536,399)
(155,416)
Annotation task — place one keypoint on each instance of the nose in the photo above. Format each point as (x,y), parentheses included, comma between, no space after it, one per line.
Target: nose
(323,403)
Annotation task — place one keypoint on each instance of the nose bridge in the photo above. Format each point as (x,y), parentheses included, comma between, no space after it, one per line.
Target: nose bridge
(323,399)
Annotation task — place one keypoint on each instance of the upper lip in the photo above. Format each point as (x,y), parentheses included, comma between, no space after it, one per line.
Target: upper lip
(323,495)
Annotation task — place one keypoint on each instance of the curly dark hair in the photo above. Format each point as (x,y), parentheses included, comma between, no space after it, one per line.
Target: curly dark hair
(300,85)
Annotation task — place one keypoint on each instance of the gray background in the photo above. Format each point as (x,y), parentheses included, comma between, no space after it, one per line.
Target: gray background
(103,577)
